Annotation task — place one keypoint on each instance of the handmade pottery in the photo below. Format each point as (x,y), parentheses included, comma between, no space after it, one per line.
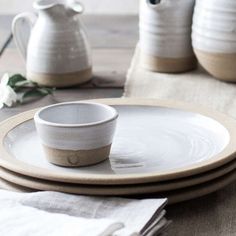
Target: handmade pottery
(165,35)
(125,189)
(154,141)
(77,133)
(22,183)
(214,37)
(56,50)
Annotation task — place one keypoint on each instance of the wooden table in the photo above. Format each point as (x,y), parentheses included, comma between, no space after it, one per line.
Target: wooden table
(113,40)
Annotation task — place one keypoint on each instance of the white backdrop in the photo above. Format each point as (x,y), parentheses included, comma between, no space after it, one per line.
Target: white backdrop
(91,6)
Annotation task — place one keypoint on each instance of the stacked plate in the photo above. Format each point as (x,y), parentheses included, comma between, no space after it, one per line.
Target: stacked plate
(160,149)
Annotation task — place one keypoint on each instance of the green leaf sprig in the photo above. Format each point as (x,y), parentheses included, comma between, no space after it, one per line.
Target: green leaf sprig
(27,89)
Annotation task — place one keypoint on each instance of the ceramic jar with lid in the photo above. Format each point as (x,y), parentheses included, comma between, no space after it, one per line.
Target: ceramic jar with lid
(214,37)
(165,35)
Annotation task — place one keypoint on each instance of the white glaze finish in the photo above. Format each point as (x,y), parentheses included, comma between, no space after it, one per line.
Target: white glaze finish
(147,140)
(162,35)
(76,126)
(214,26)
(57,43)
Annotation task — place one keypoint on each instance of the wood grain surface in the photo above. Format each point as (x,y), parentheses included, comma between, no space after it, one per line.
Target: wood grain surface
(5,32)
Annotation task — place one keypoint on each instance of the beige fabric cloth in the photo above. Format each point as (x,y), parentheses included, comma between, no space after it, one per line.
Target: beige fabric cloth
(196,87)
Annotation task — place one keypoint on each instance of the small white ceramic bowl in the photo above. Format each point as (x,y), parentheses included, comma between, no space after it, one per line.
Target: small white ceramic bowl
(76,133)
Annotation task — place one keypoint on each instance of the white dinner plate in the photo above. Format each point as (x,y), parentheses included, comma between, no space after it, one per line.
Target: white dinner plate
(154,141)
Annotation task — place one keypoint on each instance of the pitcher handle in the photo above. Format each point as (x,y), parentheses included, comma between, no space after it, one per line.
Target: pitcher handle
(21,28)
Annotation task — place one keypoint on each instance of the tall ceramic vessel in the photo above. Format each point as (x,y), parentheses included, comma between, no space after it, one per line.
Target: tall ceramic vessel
(214,37)
(56,49)
(165,35)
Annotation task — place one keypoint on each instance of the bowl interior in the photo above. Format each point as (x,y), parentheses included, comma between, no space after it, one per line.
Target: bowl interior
(77,113)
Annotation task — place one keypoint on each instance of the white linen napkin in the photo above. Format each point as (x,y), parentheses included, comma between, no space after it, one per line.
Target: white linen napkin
(59,214)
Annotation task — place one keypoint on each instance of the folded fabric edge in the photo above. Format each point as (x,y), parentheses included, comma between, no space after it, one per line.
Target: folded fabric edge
(154,222)
(155,218)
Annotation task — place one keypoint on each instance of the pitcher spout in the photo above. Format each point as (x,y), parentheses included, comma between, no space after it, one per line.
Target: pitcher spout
(64,8)
(47,4)
(74,7)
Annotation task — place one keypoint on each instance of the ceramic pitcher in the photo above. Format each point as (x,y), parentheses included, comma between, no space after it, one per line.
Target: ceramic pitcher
(55,48)
(165,35)
(214,37)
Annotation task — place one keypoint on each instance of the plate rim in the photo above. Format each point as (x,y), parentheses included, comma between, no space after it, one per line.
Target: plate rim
(157,187)
(225,156)
(173,197)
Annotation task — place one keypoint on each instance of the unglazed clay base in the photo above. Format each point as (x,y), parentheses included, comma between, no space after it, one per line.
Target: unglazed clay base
(71,158)
(4,184)
(154,141)
(27,184)
(167,65)
(61,80)
(221,66)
